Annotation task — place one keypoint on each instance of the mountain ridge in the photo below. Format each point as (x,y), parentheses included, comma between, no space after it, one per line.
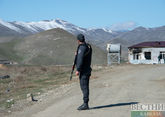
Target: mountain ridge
(96,36)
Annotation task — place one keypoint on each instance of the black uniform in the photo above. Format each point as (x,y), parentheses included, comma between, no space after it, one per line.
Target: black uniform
(83,64)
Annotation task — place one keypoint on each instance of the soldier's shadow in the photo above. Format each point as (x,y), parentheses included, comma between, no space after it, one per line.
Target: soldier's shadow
(113,105)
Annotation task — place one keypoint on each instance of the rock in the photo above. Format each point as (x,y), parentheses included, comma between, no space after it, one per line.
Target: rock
(40,100)
(7,90)
(32,98)
(29,97)
(106,84)
(9,111)
(7,101)
(100,67)
(11,100)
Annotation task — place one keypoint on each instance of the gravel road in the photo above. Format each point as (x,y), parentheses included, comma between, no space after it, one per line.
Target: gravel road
(110,94)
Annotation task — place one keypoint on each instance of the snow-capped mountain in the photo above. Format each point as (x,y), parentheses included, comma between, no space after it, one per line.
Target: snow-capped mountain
(35,27)
(9,25)
(96,35)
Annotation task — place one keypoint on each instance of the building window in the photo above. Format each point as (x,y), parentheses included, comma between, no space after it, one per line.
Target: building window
(147,55)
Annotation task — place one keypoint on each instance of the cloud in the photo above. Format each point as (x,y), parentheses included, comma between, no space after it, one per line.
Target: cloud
(123,26)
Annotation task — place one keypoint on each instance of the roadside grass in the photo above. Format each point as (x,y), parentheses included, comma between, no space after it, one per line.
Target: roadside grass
(29,79)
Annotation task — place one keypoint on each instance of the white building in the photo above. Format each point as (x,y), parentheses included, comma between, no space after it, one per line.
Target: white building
(147,53)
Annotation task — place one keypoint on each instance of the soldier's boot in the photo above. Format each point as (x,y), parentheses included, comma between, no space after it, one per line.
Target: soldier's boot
(83,107)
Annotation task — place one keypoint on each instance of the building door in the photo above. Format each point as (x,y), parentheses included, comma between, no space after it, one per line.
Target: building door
(162,54)
(162,57)
(136,56)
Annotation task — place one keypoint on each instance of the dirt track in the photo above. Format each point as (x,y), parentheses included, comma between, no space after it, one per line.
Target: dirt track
(110,95)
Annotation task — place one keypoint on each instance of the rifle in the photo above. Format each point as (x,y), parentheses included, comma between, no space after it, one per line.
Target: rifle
(74,63)
(73,67)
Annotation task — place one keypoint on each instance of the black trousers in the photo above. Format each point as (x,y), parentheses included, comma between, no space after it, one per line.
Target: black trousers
(84,85)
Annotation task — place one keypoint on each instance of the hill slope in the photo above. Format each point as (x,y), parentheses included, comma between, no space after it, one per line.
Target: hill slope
(55,46)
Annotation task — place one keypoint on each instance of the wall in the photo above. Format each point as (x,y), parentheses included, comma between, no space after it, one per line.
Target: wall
(154,56)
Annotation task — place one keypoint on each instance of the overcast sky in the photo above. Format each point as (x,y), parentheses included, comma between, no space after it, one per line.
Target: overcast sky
(87,13)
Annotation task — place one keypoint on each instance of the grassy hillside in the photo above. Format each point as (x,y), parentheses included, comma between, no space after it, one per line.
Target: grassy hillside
(7,51)
(54,46)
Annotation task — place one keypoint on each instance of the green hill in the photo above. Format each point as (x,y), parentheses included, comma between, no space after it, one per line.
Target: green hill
(54,46)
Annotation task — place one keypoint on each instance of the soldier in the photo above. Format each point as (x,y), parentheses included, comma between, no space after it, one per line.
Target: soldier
(159,58)
(83,65)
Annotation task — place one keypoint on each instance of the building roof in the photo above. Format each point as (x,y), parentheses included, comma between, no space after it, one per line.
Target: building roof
(149,44)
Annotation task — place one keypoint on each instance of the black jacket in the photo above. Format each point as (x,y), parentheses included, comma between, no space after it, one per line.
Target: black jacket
(84,57)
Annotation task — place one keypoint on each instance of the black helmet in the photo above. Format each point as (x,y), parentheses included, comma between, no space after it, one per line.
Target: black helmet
(81,37)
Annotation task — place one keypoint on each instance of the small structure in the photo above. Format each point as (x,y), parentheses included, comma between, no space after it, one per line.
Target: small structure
(5,62)
(147,53)
(114,53)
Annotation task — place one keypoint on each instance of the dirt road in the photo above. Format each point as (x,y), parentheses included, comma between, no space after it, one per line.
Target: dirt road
(110,94)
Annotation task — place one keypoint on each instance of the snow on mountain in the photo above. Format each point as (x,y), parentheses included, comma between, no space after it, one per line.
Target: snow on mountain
(104,29)
(95,36)
(9,25)
(35,27)
(44,25)
(26,26)
(39,26)
(107,30)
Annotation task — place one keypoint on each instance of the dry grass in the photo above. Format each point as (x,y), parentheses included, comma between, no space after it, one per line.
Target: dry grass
(32,79)
(29,79)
